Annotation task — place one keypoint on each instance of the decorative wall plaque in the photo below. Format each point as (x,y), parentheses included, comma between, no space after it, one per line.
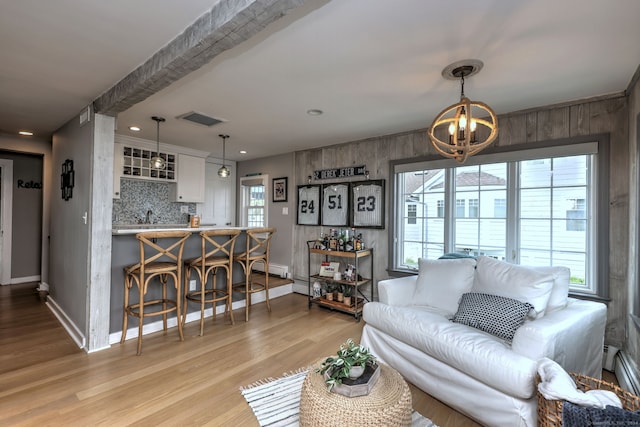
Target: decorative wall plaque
(67,179)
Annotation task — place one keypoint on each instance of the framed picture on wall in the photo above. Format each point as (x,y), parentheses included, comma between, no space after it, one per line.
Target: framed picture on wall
(280,189)
(367,204)
(335,204)
(309,205)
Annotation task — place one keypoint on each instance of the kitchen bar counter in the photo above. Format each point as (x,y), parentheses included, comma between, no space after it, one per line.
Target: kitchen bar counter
(125,250)
(118,230)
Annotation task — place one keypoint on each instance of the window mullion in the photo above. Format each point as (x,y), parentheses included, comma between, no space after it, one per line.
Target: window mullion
(449,210)
(513,213)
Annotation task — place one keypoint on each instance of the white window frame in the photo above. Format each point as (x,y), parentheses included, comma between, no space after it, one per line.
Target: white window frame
(598,244)
(246,183)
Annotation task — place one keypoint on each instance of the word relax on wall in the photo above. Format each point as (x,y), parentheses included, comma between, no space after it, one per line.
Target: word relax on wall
(32,185)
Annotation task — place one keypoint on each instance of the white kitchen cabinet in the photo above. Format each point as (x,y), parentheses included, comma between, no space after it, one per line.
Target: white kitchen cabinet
(190,182)
(220,196)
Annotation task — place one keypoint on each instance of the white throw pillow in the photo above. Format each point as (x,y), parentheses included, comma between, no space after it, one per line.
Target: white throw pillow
(560,290)
(513,281)
(442,282)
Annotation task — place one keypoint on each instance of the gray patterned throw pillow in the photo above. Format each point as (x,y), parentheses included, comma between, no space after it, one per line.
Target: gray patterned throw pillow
(499,316)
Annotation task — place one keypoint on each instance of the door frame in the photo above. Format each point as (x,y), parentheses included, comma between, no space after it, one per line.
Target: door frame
(6,205)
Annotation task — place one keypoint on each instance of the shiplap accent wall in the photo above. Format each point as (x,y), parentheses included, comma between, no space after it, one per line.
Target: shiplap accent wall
(594,116)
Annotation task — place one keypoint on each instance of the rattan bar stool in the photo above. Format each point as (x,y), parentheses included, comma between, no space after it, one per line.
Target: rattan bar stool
(258,242)
(160,256)
(217,252)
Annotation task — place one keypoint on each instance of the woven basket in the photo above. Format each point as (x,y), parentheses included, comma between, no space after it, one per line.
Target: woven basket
(550,411)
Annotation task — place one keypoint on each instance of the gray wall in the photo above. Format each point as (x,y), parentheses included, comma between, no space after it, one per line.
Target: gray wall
(69,269)
(38,248)
(275,167)
(26,215)
(80,261)
(632,345)
(597,116)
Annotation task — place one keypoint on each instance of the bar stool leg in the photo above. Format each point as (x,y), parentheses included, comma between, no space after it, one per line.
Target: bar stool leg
(178,279)
(266,285)
(203,284)
(229,301)
(140,318)
(125,320)
(247,281)
(187,277)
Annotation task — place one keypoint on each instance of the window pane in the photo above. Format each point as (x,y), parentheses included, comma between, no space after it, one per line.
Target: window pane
(478,232)
(553,224)
(551,214)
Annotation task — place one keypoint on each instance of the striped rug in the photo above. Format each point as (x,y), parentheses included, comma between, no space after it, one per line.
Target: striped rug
(276,401)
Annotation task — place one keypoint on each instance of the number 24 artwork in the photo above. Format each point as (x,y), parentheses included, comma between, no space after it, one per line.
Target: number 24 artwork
(308,202)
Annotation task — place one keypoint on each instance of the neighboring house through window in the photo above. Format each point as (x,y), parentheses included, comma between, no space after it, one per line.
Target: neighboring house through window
(533,206)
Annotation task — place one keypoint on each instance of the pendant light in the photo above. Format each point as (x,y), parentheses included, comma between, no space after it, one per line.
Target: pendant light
(223,172)
(464,119)
(157,162)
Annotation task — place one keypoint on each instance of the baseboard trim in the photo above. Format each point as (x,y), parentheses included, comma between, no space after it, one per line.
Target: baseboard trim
(301,287)
(195,316)
(626,373)
(76,335)
(18,280)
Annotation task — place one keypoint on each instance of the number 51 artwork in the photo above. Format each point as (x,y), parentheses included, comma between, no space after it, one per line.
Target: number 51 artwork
(335,204)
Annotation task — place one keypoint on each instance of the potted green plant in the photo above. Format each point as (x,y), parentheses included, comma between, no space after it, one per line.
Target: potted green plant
(350,362)
(340,290)
(347,295)
(330,289)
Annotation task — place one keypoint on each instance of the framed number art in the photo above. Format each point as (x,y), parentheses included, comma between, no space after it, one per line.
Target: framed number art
(335,204)
(309,204)
(367,204)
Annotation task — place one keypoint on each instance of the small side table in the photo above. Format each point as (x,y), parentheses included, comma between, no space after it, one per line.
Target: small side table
(388,403)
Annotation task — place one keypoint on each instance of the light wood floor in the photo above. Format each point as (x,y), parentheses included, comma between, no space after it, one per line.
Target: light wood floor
(46,380)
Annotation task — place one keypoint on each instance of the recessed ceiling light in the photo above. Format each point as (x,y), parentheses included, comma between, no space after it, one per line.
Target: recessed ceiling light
(26,133)
(134,128)
(243,151)
(315,112)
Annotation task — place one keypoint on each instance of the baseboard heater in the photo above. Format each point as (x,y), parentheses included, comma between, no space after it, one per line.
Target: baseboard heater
(274,269)
(609,358)
(626,374)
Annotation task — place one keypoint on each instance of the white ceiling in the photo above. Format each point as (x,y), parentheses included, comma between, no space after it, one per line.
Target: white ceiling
(373,66)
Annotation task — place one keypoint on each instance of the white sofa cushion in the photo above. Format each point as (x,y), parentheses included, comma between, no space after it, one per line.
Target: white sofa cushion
(478,354)
(560,290)
(442,282)
(513,281)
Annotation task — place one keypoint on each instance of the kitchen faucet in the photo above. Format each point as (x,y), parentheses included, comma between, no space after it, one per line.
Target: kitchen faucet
(147,218)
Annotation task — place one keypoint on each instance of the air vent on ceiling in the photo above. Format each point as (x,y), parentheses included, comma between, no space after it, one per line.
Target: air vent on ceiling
(201,119)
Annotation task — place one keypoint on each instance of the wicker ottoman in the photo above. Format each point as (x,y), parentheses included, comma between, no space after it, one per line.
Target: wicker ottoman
(388,403)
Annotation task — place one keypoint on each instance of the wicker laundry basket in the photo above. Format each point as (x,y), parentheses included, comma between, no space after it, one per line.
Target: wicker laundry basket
(550,411)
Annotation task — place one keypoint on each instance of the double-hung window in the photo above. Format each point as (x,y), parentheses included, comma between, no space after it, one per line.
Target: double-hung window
(542,206)
(254,196)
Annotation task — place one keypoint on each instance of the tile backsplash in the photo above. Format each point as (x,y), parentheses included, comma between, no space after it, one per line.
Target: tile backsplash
(139,196)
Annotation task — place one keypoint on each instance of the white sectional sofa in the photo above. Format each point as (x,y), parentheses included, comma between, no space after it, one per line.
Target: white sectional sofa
(457,331)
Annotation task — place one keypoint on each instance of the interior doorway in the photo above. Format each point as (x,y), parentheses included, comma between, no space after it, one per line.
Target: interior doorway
(6,204)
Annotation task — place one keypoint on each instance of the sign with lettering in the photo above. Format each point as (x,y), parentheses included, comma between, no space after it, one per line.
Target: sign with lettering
(32,185)
(339,172)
